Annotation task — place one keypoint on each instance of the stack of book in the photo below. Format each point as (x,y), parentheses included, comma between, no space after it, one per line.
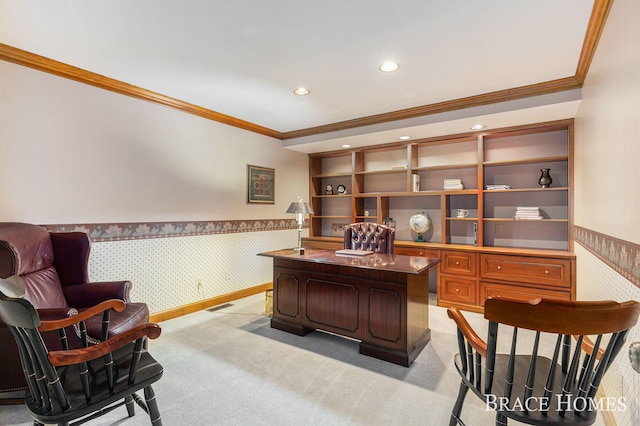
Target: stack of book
(528,213)
(450,184)
(497,187)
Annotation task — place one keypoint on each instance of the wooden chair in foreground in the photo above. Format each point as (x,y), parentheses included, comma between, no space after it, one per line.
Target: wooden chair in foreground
(552,375)
(72,386)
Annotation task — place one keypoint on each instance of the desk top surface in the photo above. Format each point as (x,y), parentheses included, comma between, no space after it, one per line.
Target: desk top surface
(387,262)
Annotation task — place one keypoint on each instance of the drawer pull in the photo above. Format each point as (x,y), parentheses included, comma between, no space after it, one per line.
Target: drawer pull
(457,290)
(546,272)
(457,263)
(499,268)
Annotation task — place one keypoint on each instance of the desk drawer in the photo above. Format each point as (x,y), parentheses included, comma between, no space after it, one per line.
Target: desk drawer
(495,290)
(458,262)
(535,270)
(410,251)
(460,290)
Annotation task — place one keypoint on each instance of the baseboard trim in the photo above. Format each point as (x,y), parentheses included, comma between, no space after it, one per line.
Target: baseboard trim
(208,303)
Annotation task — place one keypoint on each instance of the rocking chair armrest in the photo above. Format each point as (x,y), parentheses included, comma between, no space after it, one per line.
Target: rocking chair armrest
(116,305)
(75,356)
(465,328)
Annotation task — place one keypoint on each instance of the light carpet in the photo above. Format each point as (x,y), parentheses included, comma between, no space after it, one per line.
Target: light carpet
(227,366)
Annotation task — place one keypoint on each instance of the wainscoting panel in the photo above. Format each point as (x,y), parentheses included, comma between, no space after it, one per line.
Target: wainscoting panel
(166,272)
(597,280)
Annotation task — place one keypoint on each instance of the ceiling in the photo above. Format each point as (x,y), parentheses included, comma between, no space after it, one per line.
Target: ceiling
(243,59)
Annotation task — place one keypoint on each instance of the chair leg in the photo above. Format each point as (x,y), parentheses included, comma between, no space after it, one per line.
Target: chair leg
(131,410)
(152,404)
(457,408)
(501,420)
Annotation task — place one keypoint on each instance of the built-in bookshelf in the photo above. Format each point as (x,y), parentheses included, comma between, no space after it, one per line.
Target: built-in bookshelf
(498,232)
(498,171)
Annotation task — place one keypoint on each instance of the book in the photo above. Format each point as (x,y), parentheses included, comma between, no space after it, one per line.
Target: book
(452,184)
(528,213)
(498,187)
(352,252)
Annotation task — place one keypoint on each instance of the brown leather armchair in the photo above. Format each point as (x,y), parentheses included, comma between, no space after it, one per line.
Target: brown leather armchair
(54,267)
(369,236)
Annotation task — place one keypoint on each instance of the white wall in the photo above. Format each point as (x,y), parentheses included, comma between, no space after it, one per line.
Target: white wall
(607,196)
(74,154)
(607,150)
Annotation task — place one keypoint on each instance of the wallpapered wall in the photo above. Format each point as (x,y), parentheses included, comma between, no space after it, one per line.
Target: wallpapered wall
(166,261)
(607,198)
(165,271)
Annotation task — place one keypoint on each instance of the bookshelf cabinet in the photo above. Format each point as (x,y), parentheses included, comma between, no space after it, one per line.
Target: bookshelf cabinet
(498,172)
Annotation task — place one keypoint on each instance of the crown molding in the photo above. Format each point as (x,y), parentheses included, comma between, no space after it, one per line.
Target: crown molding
(51,66)
(598,18)
(595,27)
(568,83)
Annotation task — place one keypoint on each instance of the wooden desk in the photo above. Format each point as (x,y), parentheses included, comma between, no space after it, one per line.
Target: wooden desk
(380,299)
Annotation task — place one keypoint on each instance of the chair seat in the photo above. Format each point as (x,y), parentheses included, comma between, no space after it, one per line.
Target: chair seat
(533,410)
(148,372)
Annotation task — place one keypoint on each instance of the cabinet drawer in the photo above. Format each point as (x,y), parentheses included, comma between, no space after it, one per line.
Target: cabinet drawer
(410,251)
(495,290)
(459,263)
(460,290)
(534,270)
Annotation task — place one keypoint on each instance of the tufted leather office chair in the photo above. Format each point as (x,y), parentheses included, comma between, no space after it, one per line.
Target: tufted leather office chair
(369,236)
(54,268)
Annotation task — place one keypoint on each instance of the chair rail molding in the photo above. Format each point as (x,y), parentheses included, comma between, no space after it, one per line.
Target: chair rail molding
(620,255)
(99,232)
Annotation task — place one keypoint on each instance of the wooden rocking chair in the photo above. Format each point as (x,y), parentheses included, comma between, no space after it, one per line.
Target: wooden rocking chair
(70,387)
(551,378)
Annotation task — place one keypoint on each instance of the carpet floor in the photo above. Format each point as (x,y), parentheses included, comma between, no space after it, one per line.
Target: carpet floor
(227,366)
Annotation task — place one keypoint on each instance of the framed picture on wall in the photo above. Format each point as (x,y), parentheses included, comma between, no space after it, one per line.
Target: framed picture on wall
(261,185)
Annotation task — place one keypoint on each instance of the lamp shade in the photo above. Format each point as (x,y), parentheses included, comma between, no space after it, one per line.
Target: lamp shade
(300,207)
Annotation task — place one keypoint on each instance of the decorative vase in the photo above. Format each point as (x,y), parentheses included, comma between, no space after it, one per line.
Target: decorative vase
(545,178)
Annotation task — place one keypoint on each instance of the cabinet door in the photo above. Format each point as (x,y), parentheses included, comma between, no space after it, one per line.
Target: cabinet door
(287,292)
(385,310)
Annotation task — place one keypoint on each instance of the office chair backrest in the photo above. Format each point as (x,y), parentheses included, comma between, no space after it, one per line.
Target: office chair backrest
(369,236)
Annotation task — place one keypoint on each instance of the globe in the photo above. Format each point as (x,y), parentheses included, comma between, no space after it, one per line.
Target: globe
(420,223)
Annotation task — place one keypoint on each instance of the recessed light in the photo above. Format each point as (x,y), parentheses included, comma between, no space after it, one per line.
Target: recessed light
(345,145)
(301,91)
(389,67)
(404,138)
(478,127)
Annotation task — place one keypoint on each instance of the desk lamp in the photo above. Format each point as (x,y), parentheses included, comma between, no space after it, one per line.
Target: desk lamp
(300,208)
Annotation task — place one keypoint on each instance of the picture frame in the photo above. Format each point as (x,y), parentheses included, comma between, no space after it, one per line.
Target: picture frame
(261,185)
